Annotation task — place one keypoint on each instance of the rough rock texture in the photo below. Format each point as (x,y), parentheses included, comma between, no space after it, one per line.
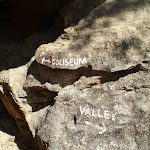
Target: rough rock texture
(110,116)
(101,103)
(10,137)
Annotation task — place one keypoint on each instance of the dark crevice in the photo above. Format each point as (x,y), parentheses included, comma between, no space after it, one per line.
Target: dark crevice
(135,88)
(15,111)
(119,74)
(75,120)
(65,77)
(8,125)
(146,62)
(39,97)
(19,19)
(126,89)
(24,26)
(92,84)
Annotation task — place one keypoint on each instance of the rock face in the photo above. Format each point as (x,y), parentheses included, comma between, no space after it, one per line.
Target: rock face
(90,89)
(10,137)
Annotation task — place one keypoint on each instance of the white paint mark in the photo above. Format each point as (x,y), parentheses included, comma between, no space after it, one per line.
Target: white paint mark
(99,115)
(53,61)
(113,116)
(71,62)
(82,61)
(82,110)
(88,112)
(66,62)
(101,128)
(43,60)
(106,114)
(57,62)
(46,60)
(93,113)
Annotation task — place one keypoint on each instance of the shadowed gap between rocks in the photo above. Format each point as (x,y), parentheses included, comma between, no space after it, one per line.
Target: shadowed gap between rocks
(8,125)
(39,97)
(62,77)
(65,77)
(19,19)
(119,74)
(24,26)
(14,110)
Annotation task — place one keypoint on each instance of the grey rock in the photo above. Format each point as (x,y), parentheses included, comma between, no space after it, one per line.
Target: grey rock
(111,41)
(101,103)
(113,115)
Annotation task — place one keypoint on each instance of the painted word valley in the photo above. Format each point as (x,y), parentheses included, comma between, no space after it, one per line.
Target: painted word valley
(97,113)
(65,62)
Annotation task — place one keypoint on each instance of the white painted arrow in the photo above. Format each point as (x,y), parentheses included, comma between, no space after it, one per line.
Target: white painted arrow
(102,129)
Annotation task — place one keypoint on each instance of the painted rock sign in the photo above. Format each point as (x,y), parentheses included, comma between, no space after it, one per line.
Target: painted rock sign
(97,113)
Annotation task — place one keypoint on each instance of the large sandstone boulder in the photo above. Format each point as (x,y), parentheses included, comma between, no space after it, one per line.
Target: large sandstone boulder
(90,89)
